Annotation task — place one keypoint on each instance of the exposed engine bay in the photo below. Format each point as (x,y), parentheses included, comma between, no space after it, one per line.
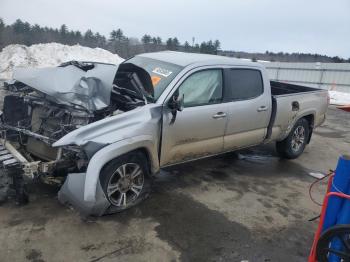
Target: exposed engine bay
(44,105)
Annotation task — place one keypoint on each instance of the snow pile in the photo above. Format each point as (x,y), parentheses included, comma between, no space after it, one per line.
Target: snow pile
(339,98)
(52,54)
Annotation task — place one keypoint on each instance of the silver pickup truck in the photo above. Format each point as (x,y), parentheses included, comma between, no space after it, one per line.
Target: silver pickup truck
(103,130)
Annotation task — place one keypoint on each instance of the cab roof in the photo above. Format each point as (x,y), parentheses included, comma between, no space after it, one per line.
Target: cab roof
(186,59)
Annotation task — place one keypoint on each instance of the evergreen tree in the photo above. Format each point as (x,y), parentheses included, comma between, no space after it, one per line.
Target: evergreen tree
(187,46)
(154,40)
(119,35)
(113,36)
(89,39)
(217,46)
(169,43)
(159,40)
(146,39)
(176,43)
(64,34)
(2,32)
(18,26)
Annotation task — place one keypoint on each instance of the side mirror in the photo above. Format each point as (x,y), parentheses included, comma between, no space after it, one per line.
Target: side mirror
(176,104)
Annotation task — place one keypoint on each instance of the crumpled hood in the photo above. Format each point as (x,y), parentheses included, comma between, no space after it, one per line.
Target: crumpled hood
(70,85)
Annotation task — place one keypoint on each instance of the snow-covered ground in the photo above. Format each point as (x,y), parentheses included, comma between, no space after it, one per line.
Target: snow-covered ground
(51,54)
(339,98)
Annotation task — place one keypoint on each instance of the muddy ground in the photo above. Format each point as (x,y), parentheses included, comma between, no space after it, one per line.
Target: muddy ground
(248,205)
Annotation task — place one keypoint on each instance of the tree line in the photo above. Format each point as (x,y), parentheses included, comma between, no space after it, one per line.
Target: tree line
(25,33)
(285,57)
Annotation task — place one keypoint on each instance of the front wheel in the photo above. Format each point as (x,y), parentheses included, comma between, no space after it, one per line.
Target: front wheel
(4,185)
(294,144)
(126,181)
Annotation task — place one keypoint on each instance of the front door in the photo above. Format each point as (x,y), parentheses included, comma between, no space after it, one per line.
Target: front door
(198,130)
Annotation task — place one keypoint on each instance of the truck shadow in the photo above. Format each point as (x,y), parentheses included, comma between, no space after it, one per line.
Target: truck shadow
(200,233)
(197,232)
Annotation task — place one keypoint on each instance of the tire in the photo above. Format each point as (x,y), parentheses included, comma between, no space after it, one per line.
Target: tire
(12,185)
(121,190)
(323,248)
(4,185)
(294,144)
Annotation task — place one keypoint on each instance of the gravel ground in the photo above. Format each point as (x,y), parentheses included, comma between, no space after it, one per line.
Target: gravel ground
(247,205)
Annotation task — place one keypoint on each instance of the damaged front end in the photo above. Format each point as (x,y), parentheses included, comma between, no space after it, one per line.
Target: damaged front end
(41,106)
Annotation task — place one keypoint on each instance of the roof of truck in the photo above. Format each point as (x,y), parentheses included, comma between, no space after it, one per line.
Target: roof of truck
(185,59)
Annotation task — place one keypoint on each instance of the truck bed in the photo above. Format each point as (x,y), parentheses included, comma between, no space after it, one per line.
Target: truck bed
(280,88)
(290,102)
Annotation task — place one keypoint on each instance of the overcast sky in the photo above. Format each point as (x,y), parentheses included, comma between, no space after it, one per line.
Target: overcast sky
(311,26)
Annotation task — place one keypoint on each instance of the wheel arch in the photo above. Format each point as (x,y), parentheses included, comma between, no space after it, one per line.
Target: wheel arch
(143,144)
(311,120)
(141,150)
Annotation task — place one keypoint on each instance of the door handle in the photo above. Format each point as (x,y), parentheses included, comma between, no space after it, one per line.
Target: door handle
(262,108)
(219,115)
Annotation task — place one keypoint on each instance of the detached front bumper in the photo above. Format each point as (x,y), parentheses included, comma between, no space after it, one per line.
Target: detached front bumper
(72,193)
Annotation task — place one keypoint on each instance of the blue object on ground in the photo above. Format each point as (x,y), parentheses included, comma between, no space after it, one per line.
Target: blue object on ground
(341,207)
(343,218)
(341,183)
(344,215)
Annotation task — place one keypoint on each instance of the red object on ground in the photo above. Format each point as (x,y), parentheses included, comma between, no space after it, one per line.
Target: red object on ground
(345,108)
(312,256)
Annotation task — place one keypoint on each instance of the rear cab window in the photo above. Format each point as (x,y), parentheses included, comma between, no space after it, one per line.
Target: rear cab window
(243,84)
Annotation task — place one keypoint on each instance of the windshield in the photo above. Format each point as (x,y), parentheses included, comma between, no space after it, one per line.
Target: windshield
(161,72)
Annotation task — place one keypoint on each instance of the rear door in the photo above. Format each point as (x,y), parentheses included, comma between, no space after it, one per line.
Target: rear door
(249,108)
(199,129)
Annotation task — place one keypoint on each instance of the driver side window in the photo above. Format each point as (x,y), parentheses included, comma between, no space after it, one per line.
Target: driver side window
(202,88)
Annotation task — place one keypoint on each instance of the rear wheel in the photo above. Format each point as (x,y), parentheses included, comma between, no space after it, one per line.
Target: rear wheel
(293,146)
(126,181)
